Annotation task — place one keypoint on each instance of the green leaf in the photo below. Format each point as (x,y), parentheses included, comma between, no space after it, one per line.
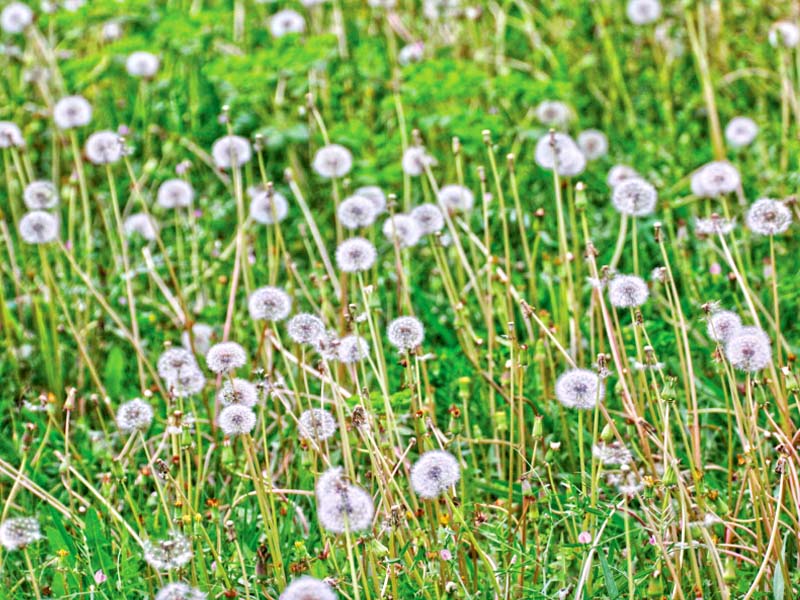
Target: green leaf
(608,578)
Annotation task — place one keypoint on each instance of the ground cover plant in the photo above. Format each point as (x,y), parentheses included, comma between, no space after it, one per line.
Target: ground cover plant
(399,299)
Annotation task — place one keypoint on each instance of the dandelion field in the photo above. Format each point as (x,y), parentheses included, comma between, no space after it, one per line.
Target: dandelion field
(399,299)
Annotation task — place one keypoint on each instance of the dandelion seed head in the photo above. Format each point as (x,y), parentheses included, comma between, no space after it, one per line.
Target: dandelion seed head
(19,532)
(225,357)
(174,360)
(402,228)
(179,591)
(768,217)
(611,454)
(38,227)
(559,151)
(238,391)
(643,12)
(634,197)
(376,196)
(429,218)
(142,64)
(172,552)
(435,472)
(579,388)
(355,255)
(10,135)
(111,31)
(741,131)
(723,325)
(134,415)
(356,211)
(267,206)
(188,382)
(40,195)
(553,113)
(411,53)
(236,419)
(308,588)
(405,333)
(71,112)
(175,193)
(104,147)
(715,179)
(316,424)
(626,291)
(619,173)
(415,159)
(629,482)
(456,198)
(749,349)
(593,143)
(285,22)
(304,328)
(344,507)
(141,224)
(784,33)
(714,226)
(15,17)
(351,349)
(231,151)
(269,303)
(203,334)
(332,160)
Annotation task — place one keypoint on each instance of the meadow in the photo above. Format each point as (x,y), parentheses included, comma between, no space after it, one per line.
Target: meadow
(397,299)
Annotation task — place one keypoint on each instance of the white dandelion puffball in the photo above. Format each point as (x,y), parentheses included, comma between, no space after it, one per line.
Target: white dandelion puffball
(179,591)
(172,552)
(403,229)
(376,196)
(112,30)
(236,419)
(345,507)
(231,151)
(19,532)
(784,33)
(579,388)
(560,152)
(613,454)
(332,160)
(429,218)
(355,255)
(352,349)
(173,361)
(142,64)
(269,303)
(405,333)
(39,227)
(749,349)
(10,135)
(434,473)
(104,147)
(723,325)
(40,195)
(286,21)
(305,328)
(225,357)
(741,131)
(411,53)
(187,383)
(634,197)
(415,159)
(456,198)
(175,193)
(16,17)
(316,424)
(619,173)
(627,291)
(308,588)
(72,111)
(593,143)
(768,217)
(134,415)
(238,391)
(141,224)
(715,179)
(553,113)
(714,225)
(643,12)
(356,211)
(202,334)
(267,206)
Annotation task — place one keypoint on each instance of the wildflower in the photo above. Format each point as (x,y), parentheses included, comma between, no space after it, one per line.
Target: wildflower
(593,143)
(723,325)
(267,206)
(332,160)
(355,255)
(584,537)
(238,391)
(714,226)
(434,473)
(104,148)
(715,179)
(342,506)
(376,196)
(141,224)
(231,151)
(634,197)
(305,328)
(170,553)
(611,454)
(560,152)
(202,335)
(355,212)
(173,361)
(10,135)
(579,388)
(768,217)
(111,31)
(352,349)
(316,424)
(175,193)
(286,21)
(619,173)
(19,532)
(749,349)
(40,195)
(415,159)
(308,588)
(553,113)
(456,198)
(225,357)
(643,12)
(403,229)
(15,17)
(188,382)
(784,33)
(236,419)
(72,111)
(741,131)
(134,415)
(627,291)
(429,218)
(405,333)
(269,303)
(142,64)
(38,227)
(179,591)
(100,577)
(409,53)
